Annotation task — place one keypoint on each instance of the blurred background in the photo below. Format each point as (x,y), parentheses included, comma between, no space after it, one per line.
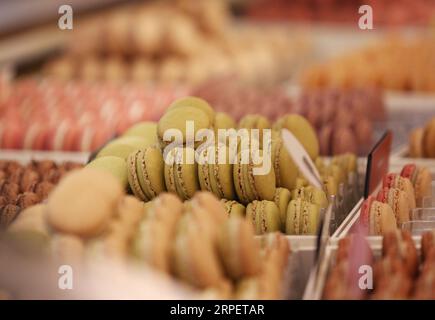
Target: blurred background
(125,61)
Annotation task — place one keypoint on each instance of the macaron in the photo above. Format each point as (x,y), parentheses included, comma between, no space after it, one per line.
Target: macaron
(194,259)
(233,207)
(421,179)
(113,165)
(152,244)
(67,249)
(175,121)
(215,171)
(194,102)
(255,121)
(330,185)
(181,172)
(302,130)
(264,215)
(393,180)
(282,198)
(83,202)
(429,139)
(167,208)
(145,129)
(311,194)
(398,201)
(377,217)
(275,246)
(416,143)
(145,172)
(123,146)
(223,120)
(210,204)
(238,250)
(285,169)
(302,218)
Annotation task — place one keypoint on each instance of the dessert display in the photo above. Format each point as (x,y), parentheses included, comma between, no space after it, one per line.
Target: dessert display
(399,272)
(179,42)
(344,118)
(395,64)
(88,216)
(148,164)
(422,141)
(387,13)
(398,196)
(22,186)
(50,115)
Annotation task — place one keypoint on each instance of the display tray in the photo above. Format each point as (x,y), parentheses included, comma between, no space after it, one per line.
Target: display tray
(25,156)
(315,292)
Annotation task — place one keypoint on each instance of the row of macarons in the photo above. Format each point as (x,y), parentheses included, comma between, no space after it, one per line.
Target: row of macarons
(400,193)
(89,216)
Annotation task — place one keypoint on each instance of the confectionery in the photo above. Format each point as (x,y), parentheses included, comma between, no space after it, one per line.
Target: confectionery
(217,150)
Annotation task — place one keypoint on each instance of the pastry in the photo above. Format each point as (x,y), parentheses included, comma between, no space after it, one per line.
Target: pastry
(393,180)
(215,171)
(264,215)
(416,143)
(250,186)
(123,146)
(232,207)
(398,201)
(421,179)
(400,244)
(145,129)
(282,198)
(311,194)
(377,217)
(238,249)
(429,139)
(285,169)
(302,218)
(113,165)
(181,173)
(302,130)
(145,173)
(7,215)
(92,196)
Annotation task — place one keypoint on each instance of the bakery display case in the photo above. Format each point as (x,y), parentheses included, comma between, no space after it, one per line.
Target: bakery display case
(217,150)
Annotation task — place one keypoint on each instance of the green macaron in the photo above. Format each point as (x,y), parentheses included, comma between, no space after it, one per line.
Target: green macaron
(195,102)
(174,123)
(145,129)
(181,172)
(249,184)
(215,173)
(114,165)
(285,169)
(282,198)
(145,173)
(264,215)
(233,207)
(302,218)
(302,130)
(123,146)
(311,194)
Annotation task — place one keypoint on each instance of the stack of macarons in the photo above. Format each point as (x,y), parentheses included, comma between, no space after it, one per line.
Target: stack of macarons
(422,141)
(398,196)
(75,116)
(88,216)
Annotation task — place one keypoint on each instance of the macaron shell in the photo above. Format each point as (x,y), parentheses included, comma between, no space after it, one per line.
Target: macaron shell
(267,217)
(150,169)
(221,175)
(287,170)
(177,119)
(429,140)
(264,185)
(133,177)
(388,220)
(293,219)
(186,177)
(309,218)
(223,120)
(399,203)
(416,148)
(169,171)
(282,198)
(423,185)
(92,195)
(145,129)
(113,165)
(194,102)
(238,178)
(304,132)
